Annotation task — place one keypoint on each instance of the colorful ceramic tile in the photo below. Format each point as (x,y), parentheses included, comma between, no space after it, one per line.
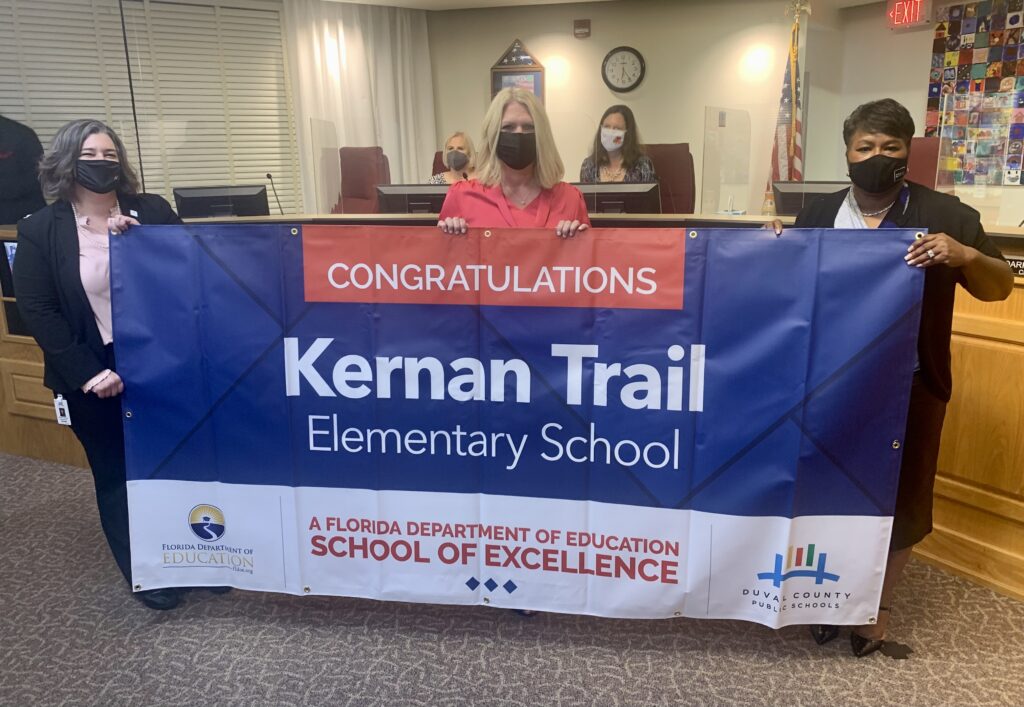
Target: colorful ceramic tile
(966,41)
(931,118)
(967,55)
(998,22)
(1017,115)
(952,59)
(933,104)
(971,10)
(995,68)
(980,40)
(1009,74)
(1009,53)
(1012,177)
(935,75)
(1017,131)
(968,25)
(995,38)
(984,7)
(1015,6)
(1013,36)
(941,30)
(977,87)
(980,56)
(992,85)
(963,73)
(963,87)
(977,71)
(983,25)
(1014,19)
(931,132)
(1020,79)
(953,43)
(956,12)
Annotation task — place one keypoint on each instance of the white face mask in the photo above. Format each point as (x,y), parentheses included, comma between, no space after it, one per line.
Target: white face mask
(612,139)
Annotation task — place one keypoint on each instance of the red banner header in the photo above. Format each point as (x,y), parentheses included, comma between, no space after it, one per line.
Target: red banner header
(614,268)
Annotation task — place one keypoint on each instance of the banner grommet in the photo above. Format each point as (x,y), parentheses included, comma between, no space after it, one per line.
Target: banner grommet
(305,590)
(693,234)
(295,231)
(128,414)
(895,444)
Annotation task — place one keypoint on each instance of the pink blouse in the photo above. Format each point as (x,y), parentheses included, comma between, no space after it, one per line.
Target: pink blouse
(94,266)
(487,207)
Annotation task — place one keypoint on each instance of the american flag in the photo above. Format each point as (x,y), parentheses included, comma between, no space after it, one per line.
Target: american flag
(787,149)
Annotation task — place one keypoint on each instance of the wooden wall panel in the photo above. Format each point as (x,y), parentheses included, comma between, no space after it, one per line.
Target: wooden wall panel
(979,493)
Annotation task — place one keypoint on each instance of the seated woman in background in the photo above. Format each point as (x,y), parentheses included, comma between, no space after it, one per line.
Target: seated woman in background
(519,175)
(458,157)
(618,155)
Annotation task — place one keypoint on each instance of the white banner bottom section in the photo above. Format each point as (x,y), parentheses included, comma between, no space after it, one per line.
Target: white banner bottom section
(579,557)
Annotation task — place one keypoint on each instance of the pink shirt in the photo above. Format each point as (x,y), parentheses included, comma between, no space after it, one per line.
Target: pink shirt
(487,207)
(94,266)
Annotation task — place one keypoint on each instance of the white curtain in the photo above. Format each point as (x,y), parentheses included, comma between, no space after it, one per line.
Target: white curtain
(361,76)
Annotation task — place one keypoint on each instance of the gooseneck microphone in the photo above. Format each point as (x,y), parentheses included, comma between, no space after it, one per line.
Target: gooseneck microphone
(271,178)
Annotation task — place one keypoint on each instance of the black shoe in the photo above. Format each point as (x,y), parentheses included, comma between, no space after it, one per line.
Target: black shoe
(864,646)
(160,599)
(823,633)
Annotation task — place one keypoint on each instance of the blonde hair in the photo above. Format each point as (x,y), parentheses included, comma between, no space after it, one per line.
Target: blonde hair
(548,168)
(470,152)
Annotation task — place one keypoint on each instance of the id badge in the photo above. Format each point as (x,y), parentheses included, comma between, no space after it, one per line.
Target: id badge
(61,406)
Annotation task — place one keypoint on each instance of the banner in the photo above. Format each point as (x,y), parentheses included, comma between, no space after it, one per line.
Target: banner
(636,423)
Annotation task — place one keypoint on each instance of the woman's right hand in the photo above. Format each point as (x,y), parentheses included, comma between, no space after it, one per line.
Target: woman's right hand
(774,225)
(453,225)
(110,386)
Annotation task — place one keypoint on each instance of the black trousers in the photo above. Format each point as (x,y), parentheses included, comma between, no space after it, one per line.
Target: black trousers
(98,425)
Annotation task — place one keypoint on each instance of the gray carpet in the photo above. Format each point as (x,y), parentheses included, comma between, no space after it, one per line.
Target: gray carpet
(70,633)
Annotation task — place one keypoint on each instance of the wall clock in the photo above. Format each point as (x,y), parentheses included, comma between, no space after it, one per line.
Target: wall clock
(623,69)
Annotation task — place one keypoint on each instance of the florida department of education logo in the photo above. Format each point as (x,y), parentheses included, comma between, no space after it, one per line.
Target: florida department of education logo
(207,522)
(801,563)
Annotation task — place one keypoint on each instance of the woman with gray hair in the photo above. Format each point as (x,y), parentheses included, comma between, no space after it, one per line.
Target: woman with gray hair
(62,277)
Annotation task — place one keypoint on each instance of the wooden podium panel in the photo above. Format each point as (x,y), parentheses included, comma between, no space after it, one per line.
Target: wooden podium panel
(979,492)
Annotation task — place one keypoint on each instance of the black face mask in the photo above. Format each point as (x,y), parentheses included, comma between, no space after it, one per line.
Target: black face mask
(879,173)
(517,150)
(100,176)
(456,160)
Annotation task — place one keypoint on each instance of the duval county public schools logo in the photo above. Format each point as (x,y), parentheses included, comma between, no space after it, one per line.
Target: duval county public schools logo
(207,522)
(800,564)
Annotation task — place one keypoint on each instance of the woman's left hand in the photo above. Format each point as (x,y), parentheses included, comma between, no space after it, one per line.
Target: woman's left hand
(568,229)
(120,224)
(938,249)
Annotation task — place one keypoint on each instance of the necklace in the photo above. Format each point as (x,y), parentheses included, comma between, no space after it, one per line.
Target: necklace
(519,201)
(879,212)
(99,239)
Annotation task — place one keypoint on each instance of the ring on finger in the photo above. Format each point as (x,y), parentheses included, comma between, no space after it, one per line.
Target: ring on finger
(930,253)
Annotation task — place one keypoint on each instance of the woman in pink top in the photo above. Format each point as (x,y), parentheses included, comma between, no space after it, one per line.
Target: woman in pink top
(519,175)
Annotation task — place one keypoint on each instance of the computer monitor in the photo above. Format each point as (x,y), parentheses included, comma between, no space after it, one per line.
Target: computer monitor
(205,202)
(7,266)
(790,197)
(620,198)
(411,198)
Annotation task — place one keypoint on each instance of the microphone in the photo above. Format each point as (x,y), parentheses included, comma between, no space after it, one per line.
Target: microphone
(465,176)
(271,178)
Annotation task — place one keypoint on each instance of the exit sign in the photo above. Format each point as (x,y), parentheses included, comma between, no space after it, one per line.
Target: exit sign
(908,14)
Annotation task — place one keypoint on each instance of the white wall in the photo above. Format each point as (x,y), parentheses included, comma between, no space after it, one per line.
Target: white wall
(694,52)
(854,58)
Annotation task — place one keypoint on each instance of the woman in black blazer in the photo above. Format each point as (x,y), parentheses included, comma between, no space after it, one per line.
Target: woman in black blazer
(62,281)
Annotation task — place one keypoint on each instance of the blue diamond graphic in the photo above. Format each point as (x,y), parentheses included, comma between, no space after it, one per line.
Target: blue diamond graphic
(510,586)
(491,585)
(473,583)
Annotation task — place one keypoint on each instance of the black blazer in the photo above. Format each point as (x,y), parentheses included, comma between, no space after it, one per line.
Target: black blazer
(49,293)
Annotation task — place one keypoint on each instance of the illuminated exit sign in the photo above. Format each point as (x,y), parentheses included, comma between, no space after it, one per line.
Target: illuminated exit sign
(908,14)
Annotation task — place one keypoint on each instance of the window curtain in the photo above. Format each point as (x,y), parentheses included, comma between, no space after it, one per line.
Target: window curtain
(361,78)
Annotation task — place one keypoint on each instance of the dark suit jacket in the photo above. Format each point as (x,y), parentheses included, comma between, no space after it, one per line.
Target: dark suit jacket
(936,213)
(48,288)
